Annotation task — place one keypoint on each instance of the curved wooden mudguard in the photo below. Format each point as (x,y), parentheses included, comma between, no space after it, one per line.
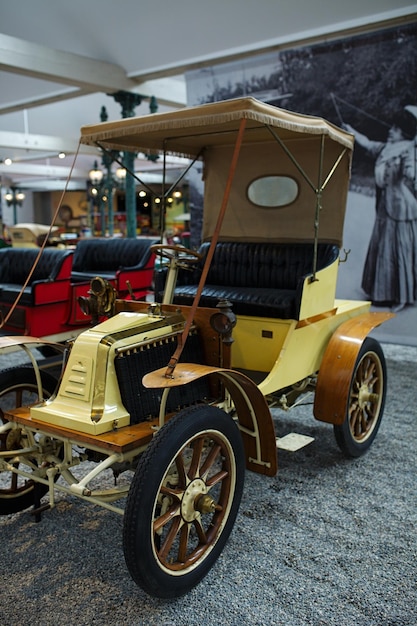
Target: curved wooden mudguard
(255,420)
(336,368)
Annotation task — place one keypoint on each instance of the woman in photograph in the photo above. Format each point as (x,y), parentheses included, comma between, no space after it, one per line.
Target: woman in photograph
(390,271)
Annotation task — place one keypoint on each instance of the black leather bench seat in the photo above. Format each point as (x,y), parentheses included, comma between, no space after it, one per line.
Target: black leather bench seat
(246,300)
(106,257)
(261,279)
(15,265)
(10,291)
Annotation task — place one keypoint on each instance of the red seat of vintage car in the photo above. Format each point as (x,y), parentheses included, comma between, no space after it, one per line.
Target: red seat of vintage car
(118,260)
(16,263)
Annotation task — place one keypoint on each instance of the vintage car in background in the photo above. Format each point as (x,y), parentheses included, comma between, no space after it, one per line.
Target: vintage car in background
(43,289)
(31,235)
(175,395)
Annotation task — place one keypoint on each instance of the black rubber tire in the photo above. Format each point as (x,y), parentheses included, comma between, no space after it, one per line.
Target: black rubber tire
(18,387)
(366,401)
(155,561)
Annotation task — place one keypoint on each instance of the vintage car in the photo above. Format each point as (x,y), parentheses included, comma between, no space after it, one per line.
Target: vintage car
(43,289)
(176,394)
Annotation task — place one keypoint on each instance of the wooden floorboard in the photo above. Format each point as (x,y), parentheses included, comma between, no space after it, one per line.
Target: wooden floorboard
(122,440)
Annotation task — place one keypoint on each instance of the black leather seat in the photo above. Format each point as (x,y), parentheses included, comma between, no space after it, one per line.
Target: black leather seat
(15,266)
(262,279)
(105,257)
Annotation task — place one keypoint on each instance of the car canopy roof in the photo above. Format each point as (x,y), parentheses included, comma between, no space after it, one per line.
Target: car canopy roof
(187,131)
(275,142)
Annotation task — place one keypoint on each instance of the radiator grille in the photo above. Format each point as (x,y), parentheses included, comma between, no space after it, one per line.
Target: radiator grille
(131,366)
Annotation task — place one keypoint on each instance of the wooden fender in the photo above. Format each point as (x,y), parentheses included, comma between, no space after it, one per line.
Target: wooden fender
(336,370)
(254,416)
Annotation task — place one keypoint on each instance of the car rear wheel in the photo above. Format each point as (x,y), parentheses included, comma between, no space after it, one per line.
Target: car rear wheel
(366,401)
(18,388)
(183,501)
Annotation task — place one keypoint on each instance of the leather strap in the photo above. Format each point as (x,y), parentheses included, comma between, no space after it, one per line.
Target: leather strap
(175,357)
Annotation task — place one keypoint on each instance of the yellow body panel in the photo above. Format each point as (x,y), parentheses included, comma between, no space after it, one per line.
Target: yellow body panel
(318,296)
(289,350)
(88,399)
(257,342)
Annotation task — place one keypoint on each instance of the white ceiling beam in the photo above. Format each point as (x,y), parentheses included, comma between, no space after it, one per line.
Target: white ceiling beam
(41,143)
(167,92)
(48,171)
(170,95)
(83,74)
(170,92)
(30,59)
(37,101)
(49,184)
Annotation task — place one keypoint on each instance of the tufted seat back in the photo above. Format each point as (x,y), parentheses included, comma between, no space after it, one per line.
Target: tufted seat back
(277,266)
(261,279)
(109,255)
(16,263)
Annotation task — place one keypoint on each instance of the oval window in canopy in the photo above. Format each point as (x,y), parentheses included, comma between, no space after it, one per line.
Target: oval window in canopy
(272,192)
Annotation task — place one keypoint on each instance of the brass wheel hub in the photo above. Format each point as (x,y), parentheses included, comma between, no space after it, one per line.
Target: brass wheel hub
(196,501)
(366,396)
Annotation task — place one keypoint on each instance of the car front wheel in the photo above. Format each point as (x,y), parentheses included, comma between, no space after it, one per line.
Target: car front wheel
(183,501)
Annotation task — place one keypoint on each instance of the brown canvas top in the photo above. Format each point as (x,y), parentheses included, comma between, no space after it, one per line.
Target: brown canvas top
(186,131)
(309,149)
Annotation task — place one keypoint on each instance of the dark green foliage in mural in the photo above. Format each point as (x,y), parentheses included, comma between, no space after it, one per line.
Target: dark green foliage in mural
(374,75)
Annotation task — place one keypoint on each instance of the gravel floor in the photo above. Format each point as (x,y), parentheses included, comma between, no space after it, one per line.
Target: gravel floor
(327,542)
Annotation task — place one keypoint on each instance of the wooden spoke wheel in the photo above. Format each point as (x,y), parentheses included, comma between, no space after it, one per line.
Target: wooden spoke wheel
(183,501)
(18,388)
(366,401)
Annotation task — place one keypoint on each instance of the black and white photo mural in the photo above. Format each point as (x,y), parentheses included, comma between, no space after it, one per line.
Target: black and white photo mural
(366,84)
